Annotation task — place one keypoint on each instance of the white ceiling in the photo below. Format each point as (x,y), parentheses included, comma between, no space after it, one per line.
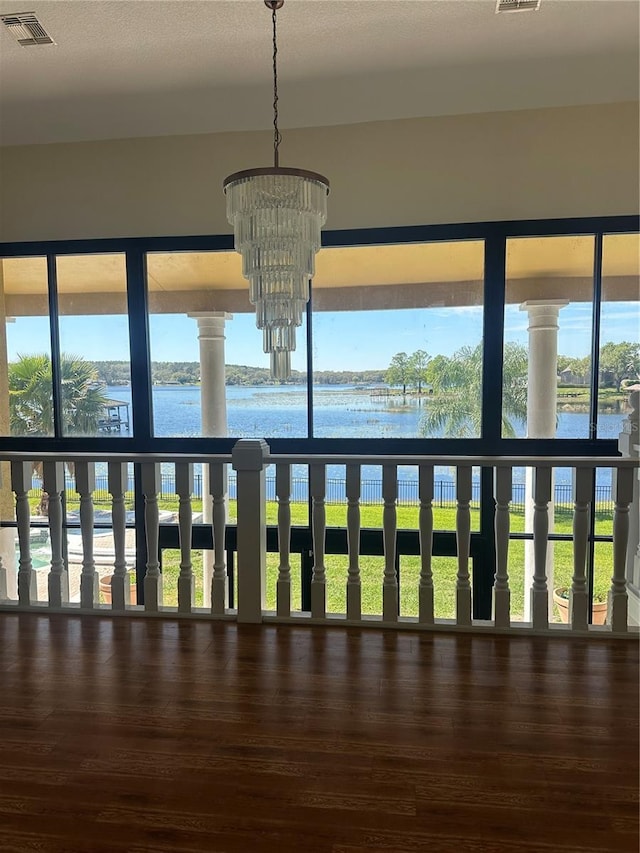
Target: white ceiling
(123,68)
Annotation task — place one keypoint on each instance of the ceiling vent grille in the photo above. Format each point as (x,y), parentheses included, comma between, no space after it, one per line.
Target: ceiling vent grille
(26,29)
(517,5)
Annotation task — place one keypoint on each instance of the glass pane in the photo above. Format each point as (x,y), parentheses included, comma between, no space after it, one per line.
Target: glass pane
(619,330)
(94,345)
(547,336)
(26,406)
(210,373)
(397,334)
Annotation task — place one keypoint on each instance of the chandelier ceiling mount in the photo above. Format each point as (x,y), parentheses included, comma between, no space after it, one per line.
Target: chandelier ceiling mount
(277,213)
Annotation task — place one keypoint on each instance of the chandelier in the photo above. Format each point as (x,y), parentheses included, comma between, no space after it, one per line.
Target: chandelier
(277,213)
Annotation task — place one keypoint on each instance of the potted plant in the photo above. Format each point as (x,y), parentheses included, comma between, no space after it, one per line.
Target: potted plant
(599,611)
(105,589)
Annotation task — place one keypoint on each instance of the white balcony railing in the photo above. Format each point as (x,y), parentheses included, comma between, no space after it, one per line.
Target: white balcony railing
(64,591)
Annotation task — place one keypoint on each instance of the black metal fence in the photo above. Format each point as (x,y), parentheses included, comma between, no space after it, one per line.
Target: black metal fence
(371,492)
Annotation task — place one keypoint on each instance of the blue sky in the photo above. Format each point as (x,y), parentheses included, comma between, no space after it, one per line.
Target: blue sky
(342,340)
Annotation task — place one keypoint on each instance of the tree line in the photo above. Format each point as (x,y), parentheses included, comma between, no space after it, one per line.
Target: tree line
(188,373)
(618,363)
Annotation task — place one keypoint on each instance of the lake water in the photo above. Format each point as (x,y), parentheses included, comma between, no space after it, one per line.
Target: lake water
(339,412)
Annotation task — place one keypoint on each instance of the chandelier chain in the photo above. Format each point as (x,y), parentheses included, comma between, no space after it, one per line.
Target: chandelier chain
(277,136)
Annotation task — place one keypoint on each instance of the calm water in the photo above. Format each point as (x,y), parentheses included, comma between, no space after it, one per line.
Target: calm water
(339,412)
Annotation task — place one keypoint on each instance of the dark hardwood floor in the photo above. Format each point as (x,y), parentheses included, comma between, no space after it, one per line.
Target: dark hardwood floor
(164,735)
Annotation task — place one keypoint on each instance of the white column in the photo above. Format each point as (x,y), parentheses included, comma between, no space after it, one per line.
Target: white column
(542,393)
(213,407)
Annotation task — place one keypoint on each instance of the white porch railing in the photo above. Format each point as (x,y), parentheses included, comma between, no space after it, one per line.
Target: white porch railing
(249,459)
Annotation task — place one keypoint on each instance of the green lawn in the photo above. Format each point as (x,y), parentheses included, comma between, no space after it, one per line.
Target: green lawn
(371,568)
(444,568)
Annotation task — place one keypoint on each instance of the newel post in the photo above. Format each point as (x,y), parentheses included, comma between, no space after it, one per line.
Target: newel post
(249,458)
(629,447)
(3,570)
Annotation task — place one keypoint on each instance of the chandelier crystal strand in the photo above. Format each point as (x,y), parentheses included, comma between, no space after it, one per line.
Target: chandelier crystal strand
(277,214)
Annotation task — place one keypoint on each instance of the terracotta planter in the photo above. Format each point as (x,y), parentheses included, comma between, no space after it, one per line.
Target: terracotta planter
(105,591)
(599,608)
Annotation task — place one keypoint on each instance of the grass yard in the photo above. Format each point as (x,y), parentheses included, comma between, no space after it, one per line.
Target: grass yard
(444,568)
(372,567)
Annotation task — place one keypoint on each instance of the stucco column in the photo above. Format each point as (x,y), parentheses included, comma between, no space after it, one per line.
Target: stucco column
(213,407)
(7,534)
(542,394)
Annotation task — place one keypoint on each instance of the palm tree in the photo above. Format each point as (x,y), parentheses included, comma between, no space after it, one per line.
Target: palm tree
(456,406)
(31,400)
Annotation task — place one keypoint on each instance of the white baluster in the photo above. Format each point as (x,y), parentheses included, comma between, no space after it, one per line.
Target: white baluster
(184,490)
(218,490)
(21,475)
(463,542)
(578,596)
(542,484)
(118,476)
(53,484)
(283,494)
(425,532)
(151,484)
(618,603)
(85,476)
(389,531)
(317,484)
(354,590)
(249,459)
(503,477)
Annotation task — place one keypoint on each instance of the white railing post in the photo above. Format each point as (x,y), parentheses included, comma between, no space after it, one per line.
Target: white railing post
(354,589)
(390,599)
(218,490)
(578,596)
(629,447)
(151,485)
(618,604)
(3,571)
(317,486)
(542,480)
(58,582)
(425,534)
(283,495)
(249,458)
(21,476)
(184,490)
(118,481)
(503,485)
(85,477)
(463,540)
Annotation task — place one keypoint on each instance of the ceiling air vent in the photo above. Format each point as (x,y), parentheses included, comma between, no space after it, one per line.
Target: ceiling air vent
(517,5)
(26,29)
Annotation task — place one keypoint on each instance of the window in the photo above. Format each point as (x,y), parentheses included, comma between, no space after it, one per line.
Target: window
(547,335)
(209,371)
(619,367)
(94,345)
(397,341)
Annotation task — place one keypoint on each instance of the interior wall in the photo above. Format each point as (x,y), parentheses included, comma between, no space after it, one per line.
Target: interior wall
(530,164)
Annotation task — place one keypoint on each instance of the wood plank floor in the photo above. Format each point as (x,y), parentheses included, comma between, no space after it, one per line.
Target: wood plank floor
(165,735)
